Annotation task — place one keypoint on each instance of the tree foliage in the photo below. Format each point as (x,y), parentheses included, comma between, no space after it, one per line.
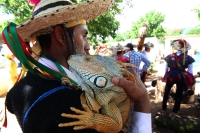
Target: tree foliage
(100,28)
(155,29)
(119,37)
(20,9)
(197,11)
(195,31)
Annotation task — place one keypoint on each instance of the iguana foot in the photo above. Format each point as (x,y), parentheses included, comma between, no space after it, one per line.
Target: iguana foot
(90,120)
(84,118)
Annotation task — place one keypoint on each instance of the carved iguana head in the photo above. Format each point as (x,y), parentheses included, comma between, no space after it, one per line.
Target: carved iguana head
(94,72)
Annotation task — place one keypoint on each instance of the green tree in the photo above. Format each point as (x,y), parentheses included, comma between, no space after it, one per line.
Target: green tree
(154,20)
(195,31)
(119,37)
(20,9)
(198,12)
(100,28)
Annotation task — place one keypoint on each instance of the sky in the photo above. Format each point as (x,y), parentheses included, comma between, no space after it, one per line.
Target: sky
(178,13)
(4,17)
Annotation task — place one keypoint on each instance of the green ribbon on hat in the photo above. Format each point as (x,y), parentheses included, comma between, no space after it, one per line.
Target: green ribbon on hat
(19,48)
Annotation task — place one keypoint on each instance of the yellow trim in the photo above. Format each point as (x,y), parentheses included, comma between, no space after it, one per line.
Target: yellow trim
(75,22)
(184,50)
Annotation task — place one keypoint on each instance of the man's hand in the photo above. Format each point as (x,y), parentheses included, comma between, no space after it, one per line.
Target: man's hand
(136,91)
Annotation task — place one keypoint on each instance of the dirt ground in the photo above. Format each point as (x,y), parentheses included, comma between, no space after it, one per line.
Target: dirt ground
(186,110)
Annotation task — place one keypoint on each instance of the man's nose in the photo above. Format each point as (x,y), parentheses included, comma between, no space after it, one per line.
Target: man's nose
(87,48)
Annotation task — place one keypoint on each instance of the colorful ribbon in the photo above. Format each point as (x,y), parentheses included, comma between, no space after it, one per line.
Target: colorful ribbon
(22,51)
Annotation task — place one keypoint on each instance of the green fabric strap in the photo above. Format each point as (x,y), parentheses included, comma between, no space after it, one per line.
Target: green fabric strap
(16,47)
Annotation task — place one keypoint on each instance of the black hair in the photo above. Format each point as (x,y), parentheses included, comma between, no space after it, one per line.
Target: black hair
(45,41)
(69,33)
(130,46)
(119,52)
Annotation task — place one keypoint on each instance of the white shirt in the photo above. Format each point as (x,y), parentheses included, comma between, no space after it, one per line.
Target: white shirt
(50,64)
(141,121)
(146,54)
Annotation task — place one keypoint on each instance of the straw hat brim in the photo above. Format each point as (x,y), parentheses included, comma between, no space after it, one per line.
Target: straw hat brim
(149,44)
(123,48)
(177,46)
(87,10)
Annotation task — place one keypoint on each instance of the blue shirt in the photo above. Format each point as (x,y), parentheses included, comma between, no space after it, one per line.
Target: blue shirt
(136,58)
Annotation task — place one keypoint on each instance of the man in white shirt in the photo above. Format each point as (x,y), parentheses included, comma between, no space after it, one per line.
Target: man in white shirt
(146,53)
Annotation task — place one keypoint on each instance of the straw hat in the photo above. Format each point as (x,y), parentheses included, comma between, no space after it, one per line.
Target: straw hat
(48,13)
(149,44)
(179,44)
(119,47)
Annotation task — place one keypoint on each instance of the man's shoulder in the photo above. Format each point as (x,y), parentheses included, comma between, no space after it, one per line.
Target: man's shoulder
(135,52)
(33,81)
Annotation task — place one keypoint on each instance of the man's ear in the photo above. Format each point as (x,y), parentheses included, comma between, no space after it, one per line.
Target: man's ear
(59,34)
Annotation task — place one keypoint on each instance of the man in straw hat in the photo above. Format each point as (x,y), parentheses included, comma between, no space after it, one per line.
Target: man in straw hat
(57,30)
(146,52)
(176,63)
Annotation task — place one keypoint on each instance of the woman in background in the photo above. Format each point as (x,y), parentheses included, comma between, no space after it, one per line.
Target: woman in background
(176,63)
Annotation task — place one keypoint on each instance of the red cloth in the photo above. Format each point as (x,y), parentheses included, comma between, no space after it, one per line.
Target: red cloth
(164,79)
(122,59)
(188,78)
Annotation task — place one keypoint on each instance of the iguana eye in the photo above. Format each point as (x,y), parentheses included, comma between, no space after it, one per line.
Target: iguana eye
(100,81)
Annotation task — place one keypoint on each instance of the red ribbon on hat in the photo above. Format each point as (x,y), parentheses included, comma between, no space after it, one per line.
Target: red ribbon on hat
(35,2)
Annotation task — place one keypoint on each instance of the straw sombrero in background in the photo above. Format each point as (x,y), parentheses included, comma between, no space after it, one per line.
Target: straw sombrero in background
(179,44)
(48,13)
(119,47)
(149,44)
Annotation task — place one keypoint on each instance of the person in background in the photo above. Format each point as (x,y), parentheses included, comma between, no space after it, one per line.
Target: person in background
(146,53)
(147,49)
(12,67)
(120,52)
(39,99)
(136,58)
(176,65)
